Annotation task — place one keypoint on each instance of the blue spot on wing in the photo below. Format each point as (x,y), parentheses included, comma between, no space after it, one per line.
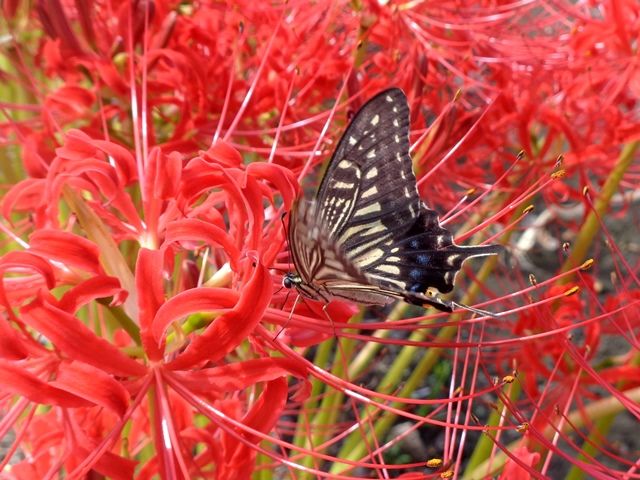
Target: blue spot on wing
(423,259)
(415,274)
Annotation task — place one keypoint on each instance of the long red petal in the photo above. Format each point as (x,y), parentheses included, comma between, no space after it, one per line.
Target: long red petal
(191,301)
(24,196)
(76,140)
(230,329)
(92,384)
(150,296)
(74,339)
(16,379)
(12,346)
(197,230)
(284,180)
(68,248)
(240,375)
(100,286)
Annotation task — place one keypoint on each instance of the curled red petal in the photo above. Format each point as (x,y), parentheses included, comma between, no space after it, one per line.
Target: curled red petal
(283,179)
(197,230)
(268,409)
(99,172)
(78,141)
(12,346)
(76,340)
(24,196)
(29,261)
(20,261)
(240,375)
(191,301)
(16,379)
(93,385)
(100,286)
(252,200)
(224,154)
(263,415)
(230,329)
(66,247)
(70,101)
(199,176)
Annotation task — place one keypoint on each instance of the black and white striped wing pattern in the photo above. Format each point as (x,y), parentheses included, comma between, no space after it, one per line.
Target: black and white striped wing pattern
(367,236)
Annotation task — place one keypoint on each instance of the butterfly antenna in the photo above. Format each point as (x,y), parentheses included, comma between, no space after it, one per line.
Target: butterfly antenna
(285,298)
(286,238)
(475,310)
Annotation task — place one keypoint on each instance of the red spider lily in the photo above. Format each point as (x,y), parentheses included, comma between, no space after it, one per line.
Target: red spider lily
(151,149)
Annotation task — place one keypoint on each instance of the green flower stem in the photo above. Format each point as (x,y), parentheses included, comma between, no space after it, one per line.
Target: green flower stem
(261,472)
(123,320)
(330,407)
(369,351)
(590,228)
(485,445)
(110,256)
(323,353)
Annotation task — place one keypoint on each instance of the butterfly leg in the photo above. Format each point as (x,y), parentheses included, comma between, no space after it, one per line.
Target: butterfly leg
(325,310)
(293,308)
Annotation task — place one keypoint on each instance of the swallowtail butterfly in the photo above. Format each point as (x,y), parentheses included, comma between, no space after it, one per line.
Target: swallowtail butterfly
(367,236)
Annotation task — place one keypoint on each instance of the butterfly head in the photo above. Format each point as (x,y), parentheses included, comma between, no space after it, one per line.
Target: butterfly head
(291,280)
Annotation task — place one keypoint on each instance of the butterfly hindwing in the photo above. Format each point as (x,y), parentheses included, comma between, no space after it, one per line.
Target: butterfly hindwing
(321,264)
(424,257)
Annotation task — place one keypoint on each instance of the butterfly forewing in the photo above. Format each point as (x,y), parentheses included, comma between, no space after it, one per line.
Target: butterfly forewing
(367,236)
(369,187)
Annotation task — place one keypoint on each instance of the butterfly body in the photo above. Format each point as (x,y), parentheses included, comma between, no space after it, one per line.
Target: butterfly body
(367,236)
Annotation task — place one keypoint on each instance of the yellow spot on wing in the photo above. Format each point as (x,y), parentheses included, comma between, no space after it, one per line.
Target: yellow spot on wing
(371,208)
(370,257)
(369,192)
(390,269)
(372,173)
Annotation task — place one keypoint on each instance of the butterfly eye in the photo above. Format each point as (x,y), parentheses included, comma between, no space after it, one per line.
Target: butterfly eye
(290,280)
